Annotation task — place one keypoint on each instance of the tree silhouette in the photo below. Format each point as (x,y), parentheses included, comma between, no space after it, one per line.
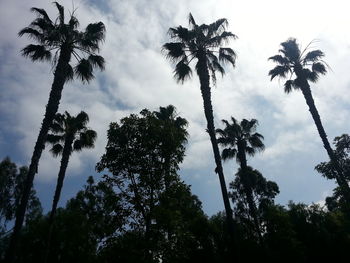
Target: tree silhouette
(141,169)
(240,140)
(68,134)
(326,169)
(64,40)
(172,129)
(203,44)
(306,66)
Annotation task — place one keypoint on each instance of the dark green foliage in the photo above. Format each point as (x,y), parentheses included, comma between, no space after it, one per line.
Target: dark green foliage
(263,193)
(326,169)
(12,181)
(143,154)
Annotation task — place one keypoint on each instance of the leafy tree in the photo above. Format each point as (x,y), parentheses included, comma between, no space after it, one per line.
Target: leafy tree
(263,194)
(68,134)
(141,169)
(65,40)
(326,169)
(202,43)
(307,66)
(172,129)
(81,229)
(12,182)
(240,140)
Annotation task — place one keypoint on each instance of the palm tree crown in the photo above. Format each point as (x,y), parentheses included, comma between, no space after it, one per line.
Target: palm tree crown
(53,36)
(242,134)
(306,65)
(73,128)
(197,42)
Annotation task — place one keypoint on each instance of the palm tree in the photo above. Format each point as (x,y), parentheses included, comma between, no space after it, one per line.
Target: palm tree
(240,140)
(202,43)
(68,134)
(65,41)
(302,67)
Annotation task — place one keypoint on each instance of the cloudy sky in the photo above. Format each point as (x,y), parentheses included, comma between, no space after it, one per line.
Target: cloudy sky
(138,76)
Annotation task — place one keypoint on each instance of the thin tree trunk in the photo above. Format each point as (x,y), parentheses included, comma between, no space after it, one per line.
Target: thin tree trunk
(208,111)
(51,109)
(317,119)
(67,151)
(248,190)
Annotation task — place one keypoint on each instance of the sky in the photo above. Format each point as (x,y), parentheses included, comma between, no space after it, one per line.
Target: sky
(138,76)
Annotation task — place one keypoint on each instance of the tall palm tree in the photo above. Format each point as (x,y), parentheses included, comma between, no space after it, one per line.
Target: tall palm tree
(242,139)
(64,41)
(302,67)
(202,43)
(68,134)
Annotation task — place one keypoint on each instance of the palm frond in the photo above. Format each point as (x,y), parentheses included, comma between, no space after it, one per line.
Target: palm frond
(61,12)
(214,63)
(313,56)
(180,33)
(95,32)
(279,59)
(32,33)
(70,73)
(86,140)
(82,118)
(73,22)
(225,140)
(319,67)
(221,132)
(250,150)
(174,51)
(248,126)
(255,141)
(97,61)
(291,49)
(84,70)
(36,52)
(311,75)
(288,85)
(228,153)
(54,139)
(227,55)
(223,38)
(191,20)
(56,149)
(41,12)
(42,24)
(279,71)
(182,71)
(218,26)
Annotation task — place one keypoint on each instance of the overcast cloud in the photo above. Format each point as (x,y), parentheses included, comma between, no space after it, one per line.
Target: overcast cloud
(138,76)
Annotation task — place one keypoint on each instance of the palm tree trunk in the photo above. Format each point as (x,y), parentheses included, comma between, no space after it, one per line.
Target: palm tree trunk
(67,151)
(317,119)
(208,111)
(51,109)
(248,190)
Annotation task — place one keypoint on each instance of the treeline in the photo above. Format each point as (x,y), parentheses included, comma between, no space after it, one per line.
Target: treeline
(140,210)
